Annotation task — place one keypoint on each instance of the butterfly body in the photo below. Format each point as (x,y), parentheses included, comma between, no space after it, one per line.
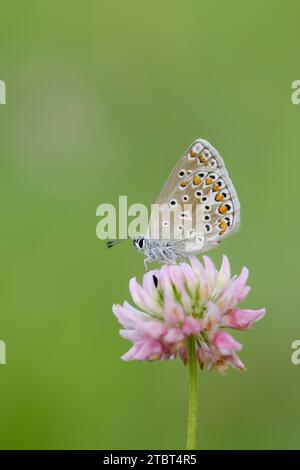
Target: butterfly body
(163,251)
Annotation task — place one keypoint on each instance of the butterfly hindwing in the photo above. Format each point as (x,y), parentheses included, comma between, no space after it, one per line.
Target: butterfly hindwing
(220,207)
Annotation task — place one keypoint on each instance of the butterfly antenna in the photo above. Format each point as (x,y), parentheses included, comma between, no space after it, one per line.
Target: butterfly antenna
(112,243)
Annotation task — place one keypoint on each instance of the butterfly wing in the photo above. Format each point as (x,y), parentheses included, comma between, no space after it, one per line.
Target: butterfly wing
(200,180)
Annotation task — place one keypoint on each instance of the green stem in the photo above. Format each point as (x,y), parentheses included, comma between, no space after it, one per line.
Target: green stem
(192,411)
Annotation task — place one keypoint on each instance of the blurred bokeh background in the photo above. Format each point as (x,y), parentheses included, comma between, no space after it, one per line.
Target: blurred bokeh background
(102,99)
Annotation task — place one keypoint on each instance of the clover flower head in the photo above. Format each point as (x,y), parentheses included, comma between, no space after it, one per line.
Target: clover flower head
(176,302)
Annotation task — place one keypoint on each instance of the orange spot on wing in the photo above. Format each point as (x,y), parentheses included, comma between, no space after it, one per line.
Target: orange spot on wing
(183,184)
(223,226)
(209,180)
(202,159)
(215,187)
(197,180)
(219,197)
(223,209)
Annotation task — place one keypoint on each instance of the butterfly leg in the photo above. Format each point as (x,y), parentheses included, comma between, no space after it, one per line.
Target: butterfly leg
(147,261)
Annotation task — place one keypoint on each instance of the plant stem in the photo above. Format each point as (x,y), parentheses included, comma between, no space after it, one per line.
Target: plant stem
(192,411)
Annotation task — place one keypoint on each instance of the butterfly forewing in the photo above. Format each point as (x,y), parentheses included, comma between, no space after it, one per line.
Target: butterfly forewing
(200,184)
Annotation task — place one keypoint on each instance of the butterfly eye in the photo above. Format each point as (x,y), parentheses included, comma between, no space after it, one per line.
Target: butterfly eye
(185,198)
(189,172)
(212,162)
(199,240)
(206,217)
(198,193)
(173,202)
(165,223)
(180,228)
(208,227)
(207,208)
(141,243)
(191,233)
(181,173)
(204,199)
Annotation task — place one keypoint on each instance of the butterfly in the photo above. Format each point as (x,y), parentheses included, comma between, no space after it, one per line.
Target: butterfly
(199,184)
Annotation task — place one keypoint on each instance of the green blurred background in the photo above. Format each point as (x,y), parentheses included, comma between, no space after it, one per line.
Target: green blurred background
(102,99)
